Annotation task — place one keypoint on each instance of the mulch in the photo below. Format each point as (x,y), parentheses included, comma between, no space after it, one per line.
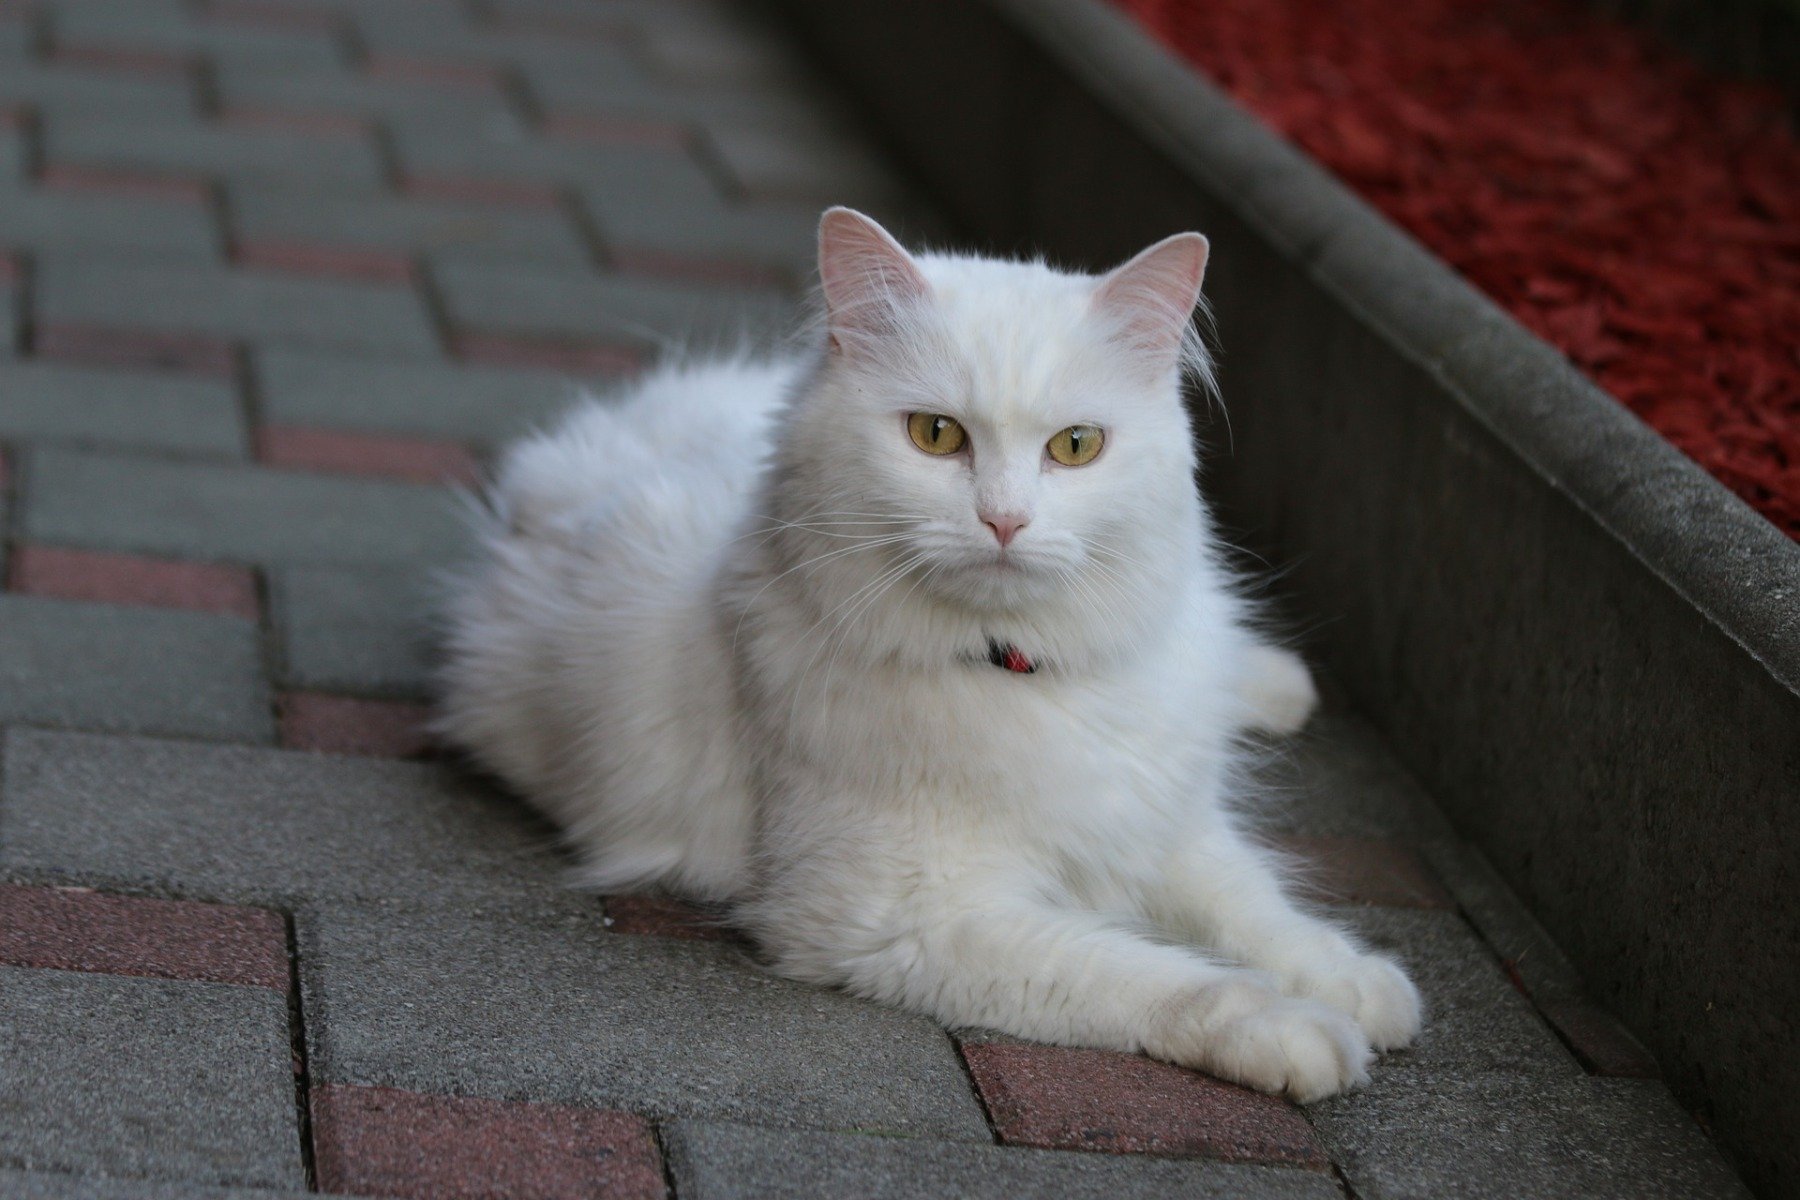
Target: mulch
(1632,209)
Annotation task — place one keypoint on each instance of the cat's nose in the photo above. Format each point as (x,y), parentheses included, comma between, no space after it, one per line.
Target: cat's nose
(1005,527)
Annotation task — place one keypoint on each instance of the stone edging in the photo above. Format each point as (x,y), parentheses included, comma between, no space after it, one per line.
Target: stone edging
(1586,647)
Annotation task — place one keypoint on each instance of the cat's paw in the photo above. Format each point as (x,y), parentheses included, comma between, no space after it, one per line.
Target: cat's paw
(1277,690)
(1271,1042)
(1375,992)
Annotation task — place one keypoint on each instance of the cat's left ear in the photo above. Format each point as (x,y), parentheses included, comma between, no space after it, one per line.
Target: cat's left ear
(868,278)
(1151,299)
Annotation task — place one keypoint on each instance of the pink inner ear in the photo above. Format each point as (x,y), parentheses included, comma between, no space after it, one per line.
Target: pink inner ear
(1152,297)
(865,274)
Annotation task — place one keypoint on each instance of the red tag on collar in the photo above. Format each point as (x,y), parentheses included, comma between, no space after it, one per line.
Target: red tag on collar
(1010,657)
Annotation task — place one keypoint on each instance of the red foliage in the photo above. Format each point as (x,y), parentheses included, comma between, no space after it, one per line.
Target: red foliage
(1636,212)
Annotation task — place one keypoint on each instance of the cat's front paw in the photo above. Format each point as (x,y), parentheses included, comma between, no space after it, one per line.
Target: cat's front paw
(1374,991)
(1273,1043)
(1277,689)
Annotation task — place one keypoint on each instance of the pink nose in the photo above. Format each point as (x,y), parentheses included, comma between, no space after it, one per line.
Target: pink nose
(1005,528)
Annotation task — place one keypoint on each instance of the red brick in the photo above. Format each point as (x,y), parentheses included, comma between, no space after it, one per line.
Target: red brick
(416,460)
(1343,870)
(698,270)
(665,916)
(138,184)
(76,929)
(1066,1099)
(312,124)
(385,1142)
(615,130)
(501,351)
(473,76)
(502,192)
(151,64)
(351,725)
(331,262)
(1604,1046)
(130,579)
(87,344)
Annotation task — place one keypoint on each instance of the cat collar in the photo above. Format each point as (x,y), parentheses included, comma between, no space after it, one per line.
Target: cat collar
(1010,657)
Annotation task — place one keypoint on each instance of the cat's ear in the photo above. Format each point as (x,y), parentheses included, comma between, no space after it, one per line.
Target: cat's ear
(867,278)
(1151,299)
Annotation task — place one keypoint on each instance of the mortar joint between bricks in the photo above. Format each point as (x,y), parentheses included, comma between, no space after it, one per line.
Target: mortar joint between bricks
(662,1155)
(297,1047)
(956,1044)
(437,309)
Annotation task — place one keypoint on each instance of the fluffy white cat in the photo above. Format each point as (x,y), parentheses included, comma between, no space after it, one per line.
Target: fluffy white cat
(917,649)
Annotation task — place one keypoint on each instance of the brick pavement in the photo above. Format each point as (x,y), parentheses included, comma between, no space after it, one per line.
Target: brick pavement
(271,273)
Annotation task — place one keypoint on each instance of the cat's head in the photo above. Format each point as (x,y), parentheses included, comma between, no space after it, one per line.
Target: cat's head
(1017,432)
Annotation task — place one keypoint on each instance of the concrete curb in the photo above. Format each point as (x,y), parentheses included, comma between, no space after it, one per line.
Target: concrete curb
(1584,645)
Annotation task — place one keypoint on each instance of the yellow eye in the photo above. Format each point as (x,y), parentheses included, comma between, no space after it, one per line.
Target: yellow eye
(935,433)
(1077,445)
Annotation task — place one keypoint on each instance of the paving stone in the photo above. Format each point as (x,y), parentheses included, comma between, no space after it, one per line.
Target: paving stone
(1059,1098)
(703,55)
(614,309)
(65,90)
(235,513)
(359,629)
(382,456)
(53,402)
(255,825)
(77,929)
(33,1185)
(439,35)
(15,158)
(407,226)
(623,172)
(564,90)
(64,574)
(354,263)
(143,670)
(818,166)
(485,405)
(642,236)
(329,724)
(232,304)
(551,1007)
(34,219)
(340,91)
(64,179)
(387,1142)
(231,152)
(1339,870)
(715,1161)
(229,42)
(1475,1020)
(545,355)
(116,1075)
(1506,1135)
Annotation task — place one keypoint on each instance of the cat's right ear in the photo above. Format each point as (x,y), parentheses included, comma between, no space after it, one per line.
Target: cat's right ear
(868,279)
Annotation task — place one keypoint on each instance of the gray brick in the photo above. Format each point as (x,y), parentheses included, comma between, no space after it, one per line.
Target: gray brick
(63,90)
(459,403)
(339,91)
(178,298)
(127,28)
(232,153)
(32,1185)
(816,166)
(1475,1020)
(554,1007)
(139,670)
(11,316)
(45,401)
(238,513)
(625,173)
(775,235)
(437,35)
(359,629)
(15,41)
(407,226)
(115,1075)
(36,220)
(14,159)
(713,1161)
(1339,778)
(241,823)
(571,90)
(1502,1135)
(609,308)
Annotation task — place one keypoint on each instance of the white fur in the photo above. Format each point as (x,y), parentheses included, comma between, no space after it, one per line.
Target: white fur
(731,632)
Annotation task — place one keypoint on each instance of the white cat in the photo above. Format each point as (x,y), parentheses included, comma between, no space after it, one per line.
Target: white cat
(917,649)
